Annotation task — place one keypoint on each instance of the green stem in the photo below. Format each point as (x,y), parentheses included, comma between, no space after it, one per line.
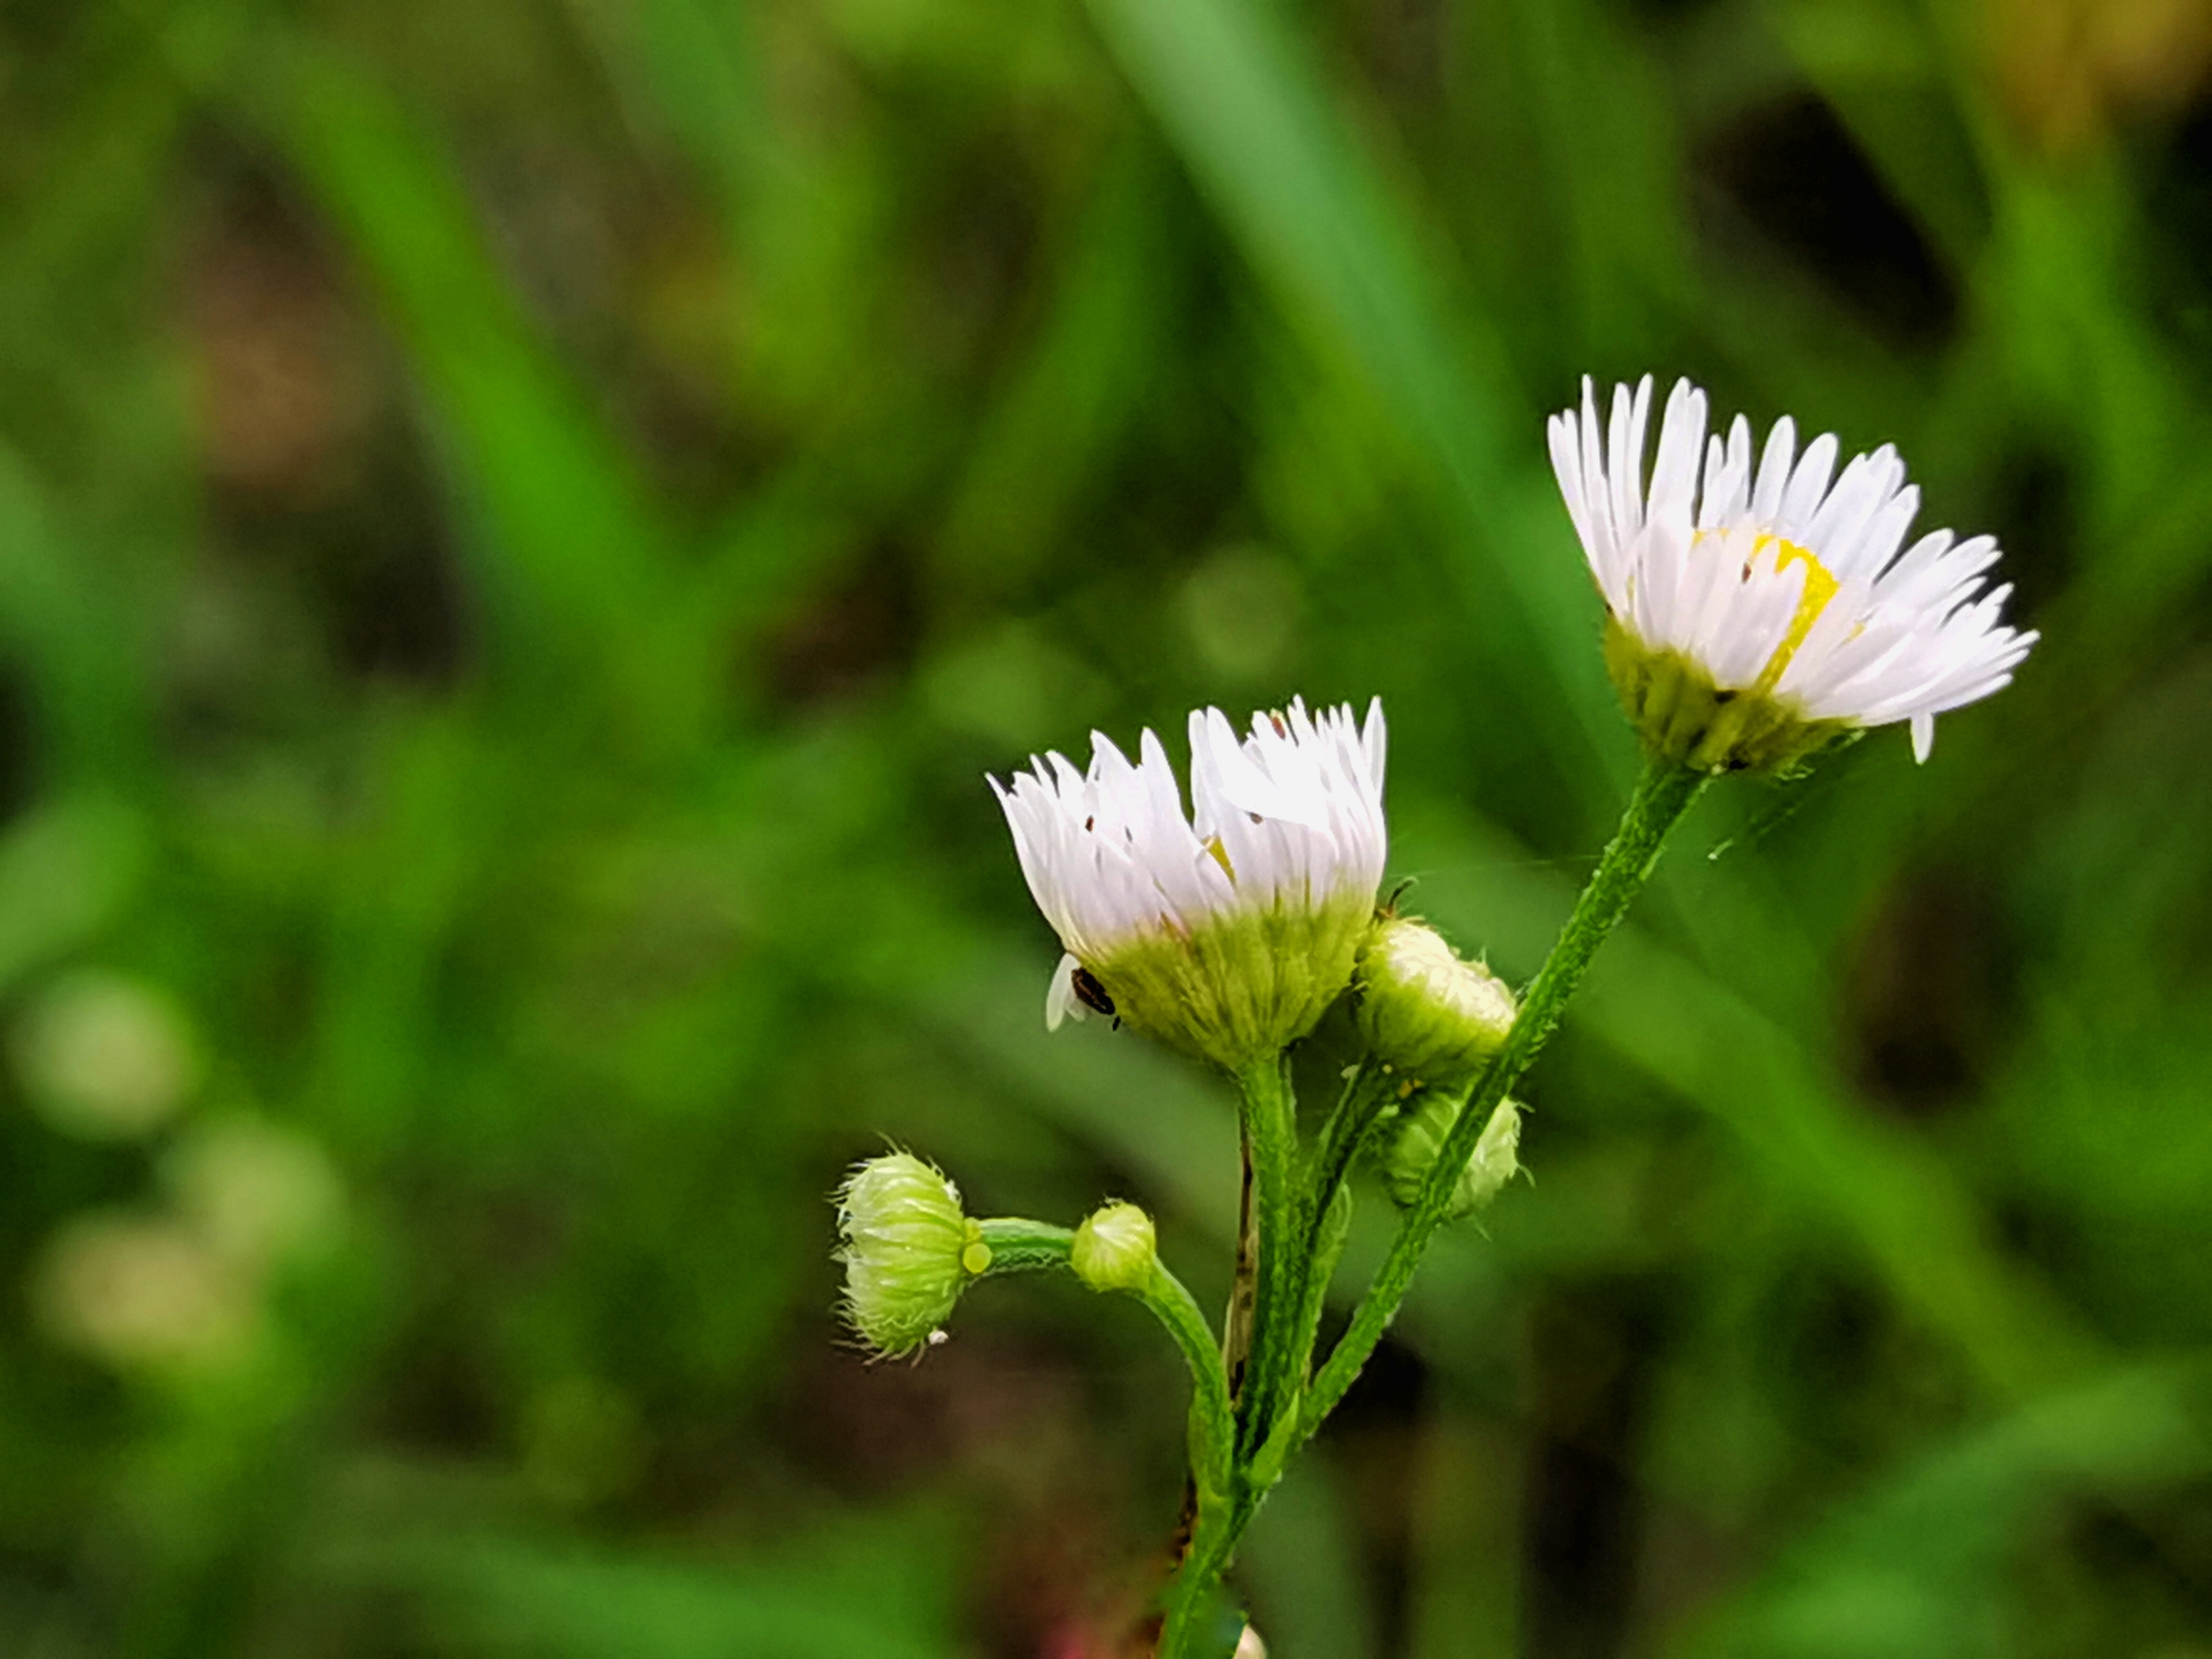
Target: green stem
(1270,1134)
(1325,1215)
(1212,1423)
(1298,1231)
(1192,1593)
(1662,795)
(1319,1220)
(1367,1091)
(1237,1318)
(1020,1245)
(1269,1245)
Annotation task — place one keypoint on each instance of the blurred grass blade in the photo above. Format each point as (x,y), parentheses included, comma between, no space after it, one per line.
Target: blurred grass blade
(1246,111)
(78,644)
(1047,437)
(576,564)
(66,870)
(884,1595)
(1917,1568)
(1891,1197)
(687,71)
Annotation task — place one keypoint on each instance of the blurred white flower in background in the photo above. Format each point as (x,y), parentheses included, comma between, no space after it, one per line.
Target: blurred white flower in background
(106,1057)
(184,1286)
(141,1290)
(257,1193)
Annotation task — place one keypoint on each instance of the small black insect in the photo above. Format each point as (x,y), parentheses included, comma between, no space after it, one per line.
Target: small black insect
(1090,992)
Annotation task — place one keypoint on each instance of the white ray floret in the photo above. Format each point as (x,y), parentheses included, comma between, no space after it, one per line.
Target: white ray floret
(1780,577)
(1284,835)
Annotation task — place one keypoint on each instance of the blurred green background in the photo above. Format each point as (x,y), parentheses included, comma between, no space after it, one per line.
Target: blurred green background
(522,527)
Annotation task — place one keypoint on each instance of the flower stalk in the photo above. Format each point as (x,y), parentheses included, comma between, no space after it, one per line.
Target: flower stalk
(1020,1245)
(1663,794)
(1759,612)
(1271,1133)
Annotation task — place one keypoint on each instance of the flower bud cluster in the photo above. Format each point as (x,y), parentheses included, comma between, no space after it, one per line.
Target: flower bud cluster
(910,1251)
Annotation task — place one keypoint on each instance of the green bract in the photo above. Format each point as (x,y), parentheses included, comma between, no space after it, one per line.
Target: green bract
(1243,984)
(1684,717)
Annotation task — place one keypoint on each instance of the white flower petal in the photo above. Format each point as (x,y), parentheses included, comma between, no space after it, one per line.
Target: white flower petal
(1060,1001)
(1290,814)
(1898,636)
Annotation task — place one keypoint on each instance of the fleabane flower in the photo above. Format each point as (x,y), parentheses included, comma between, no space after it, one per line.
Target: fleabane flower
(1761,611)
(1226,932)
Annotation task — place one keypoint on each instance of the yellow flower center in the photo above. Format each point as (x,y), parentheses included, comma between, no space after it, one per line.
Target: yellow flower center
(1820,587)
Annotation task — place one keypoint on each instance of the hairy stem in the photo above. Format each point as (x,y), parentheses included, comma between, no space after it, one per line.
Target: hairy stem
(1663,794)
(1192,1593)
(1237,1319)
(1270,1134)
(1212,1423)
(1326,1215)
(1367,1091)
(1020,1245)
(1262,1322)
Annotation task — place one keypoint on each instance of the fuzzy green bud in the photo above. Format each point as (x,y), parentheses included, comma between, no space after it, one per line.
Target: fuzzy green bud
(1420,1136)
(908,1251)
(1113,1248)
(1424,1011)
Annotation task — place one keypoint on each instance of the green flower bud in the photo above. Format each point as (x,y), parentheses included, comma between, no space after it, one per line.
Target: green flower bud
(1421,1137)
(1424,1011)
(908,1251)
(1113,1248)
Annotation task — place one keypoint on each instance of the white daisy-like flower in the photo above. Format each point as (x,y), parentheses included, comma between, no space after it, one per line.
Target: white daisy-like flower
(1759,611)
(1228,931)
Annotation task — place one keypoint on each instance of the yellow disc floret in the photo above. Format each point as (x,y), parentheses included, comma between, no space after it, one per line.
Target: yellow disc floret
(1684,715)
(1820,587)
